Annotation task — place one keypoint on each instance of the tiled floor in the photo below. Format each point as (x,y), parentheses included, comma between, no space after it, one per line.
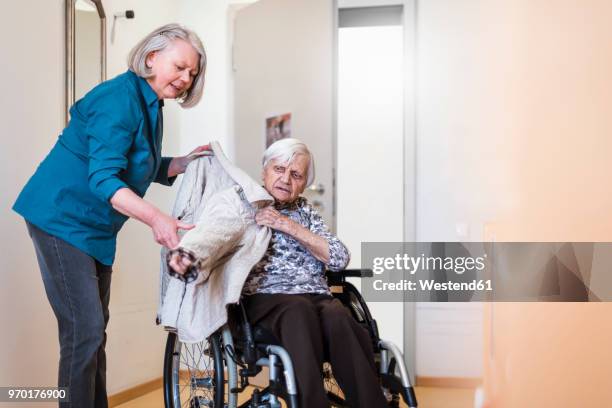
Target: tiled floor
(427,397)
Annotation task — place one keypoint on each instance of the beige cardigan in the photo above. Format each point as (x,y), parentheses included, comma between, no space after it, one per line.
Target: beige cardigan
(221,200)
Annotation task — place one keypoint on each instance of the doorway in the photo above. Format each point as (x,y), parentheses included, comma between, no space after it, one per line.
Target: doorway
(375,144)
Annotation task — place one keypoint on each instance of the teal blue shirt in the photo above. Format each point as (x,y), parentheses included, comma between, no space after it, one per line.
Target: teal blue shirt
(112,141)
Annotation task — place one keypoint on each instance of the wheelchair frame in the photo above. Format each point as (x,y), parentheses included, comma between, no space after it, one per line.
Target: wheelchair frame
(245,358)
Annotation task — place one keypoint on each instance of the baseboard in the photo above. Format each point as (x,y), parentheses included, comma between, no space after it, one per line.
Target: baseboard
(448,382)
(134,392)
(150,386)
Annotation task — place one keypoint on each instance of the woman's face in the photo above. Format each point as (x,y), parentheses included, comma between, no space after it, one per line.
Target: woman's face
(286,181)
(174,69)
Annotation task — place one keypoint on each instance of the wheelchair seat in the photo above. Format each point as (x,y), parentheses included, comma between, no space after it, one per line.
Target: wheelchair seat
(212,373)
(265,336)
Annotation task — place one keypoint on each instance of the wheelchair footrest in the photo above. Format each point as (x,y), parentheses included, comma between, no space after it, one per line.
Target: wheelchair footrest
(394,384)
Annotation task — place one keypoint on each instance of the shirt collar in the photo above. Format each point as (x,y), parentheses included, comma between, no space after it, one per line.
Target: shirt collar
(292,206)
(148,93)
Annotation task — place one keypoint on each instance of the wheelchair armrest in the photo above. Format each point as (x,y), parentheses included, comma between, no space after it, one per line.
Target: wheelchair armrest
(334,278)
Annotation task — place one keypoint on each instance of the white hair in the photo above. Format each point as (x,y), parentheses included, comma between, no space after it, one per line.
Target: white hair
(284,150)
(158,40)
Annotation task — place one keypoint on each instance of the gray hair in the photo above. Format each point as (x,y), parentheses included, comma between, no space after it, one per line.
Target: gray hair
(284,150)
(158,40)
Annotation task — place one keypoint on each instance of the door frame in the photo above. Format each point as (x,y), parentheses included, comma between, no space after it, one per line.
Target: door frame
(409,182)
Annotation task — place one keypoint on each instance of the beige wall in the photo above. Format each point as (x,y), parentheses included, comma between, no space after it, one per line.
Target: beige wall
(513,138)
(548,355)
(513,134)
(517,141)
(31,116)
(34,88)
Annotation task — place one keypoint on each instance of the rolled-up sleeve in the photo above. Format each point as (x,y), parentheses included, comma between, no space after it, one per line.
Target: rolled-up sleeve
(112,122)
(162,174)
(217,233)
(339,255)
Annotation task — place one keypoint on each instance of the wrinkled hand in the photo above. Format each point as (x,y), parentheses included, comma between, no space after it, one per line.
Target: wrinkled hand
(198,152)
(165,230)
(178,165)
(270,217)
(179,263)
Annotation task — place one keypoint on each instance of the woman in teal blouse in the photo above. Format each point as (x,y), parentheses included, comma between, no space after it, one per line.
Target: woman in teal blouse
(92,181)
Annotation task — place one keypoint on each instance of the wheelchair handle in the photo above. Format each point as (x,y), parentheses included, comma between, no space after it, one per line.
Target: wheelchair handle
(350,273)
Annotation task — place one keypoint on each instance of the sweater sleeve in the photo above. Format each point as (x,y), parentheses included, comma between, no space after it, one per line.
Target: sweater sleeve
(216,235)
(339,255)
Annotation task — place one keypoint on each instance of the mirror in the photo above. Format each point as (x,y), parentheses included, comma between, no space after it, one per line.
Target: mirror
(85,48)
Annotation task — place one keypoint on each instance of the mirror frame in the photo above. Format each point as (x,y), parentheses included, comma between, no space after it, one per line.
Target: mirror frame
(70,50)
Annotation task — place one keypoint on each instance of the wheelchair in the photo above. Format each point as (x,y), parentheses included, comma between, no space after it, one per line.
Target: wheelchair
(215,372)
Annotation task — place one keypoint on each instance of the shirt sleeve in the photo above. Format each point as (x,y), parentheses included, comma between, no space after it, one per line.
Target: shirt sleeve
(162,174)
(216,235)
(339,255)
(113,118)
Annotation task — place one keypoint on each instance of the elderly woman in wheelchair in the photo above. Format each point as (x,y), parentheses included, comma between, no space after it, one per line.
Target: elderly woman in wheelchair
(288,318)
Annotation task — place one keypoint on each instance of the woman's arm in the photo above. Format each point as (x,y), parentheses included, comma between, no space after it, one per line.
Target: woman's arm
(164,227)
(317,245)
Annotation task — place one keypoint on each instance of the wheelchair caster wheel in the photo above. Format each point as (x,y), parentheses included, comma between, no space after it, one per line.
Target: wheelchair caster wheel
(200,402)
(256,401)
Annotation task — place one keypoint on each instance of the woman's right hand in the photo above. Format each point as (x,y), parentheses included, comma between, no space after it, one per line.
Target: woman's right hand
(165,229)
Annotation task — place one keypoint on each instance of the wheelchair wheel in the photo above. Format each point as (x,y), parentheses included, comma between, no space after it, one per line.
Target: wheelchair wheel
(194,374)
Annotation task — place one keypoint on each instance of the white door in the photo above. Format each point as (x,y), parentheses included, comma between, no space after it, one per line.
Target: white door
(283,63)
(373,169)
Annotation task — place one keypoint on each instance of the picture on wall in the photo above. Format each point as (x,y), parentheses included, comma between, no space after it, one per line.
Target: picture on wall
(278,127)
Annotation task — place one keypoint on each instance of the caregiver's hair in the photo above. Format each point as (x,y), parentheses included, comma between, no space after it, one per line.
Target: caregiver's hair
(283,150)
(158,40)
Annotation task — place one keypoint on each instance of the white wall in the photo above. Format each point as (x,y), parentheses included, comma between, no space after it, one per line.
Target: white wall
(31,116)
(133,338)
(283,55)
(211,119)
(462,181)
(35,89)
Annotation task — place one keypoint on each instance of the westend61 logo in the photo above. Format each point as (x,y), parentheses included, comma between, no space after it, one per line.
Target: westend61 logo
(411,264)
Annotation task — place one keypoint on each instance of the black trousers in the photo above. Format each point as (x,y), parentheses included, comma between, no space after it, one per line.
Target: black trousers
(78,289)
(316,328)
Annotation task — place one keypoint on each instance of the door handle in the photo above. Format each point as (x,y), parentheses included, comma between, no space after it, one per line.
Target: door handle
(316,188)
(318,205)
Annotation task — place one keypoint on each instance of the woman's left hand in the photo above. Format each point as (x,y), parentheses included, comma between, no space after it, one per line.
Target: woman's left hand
(178,165)
(270,217)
